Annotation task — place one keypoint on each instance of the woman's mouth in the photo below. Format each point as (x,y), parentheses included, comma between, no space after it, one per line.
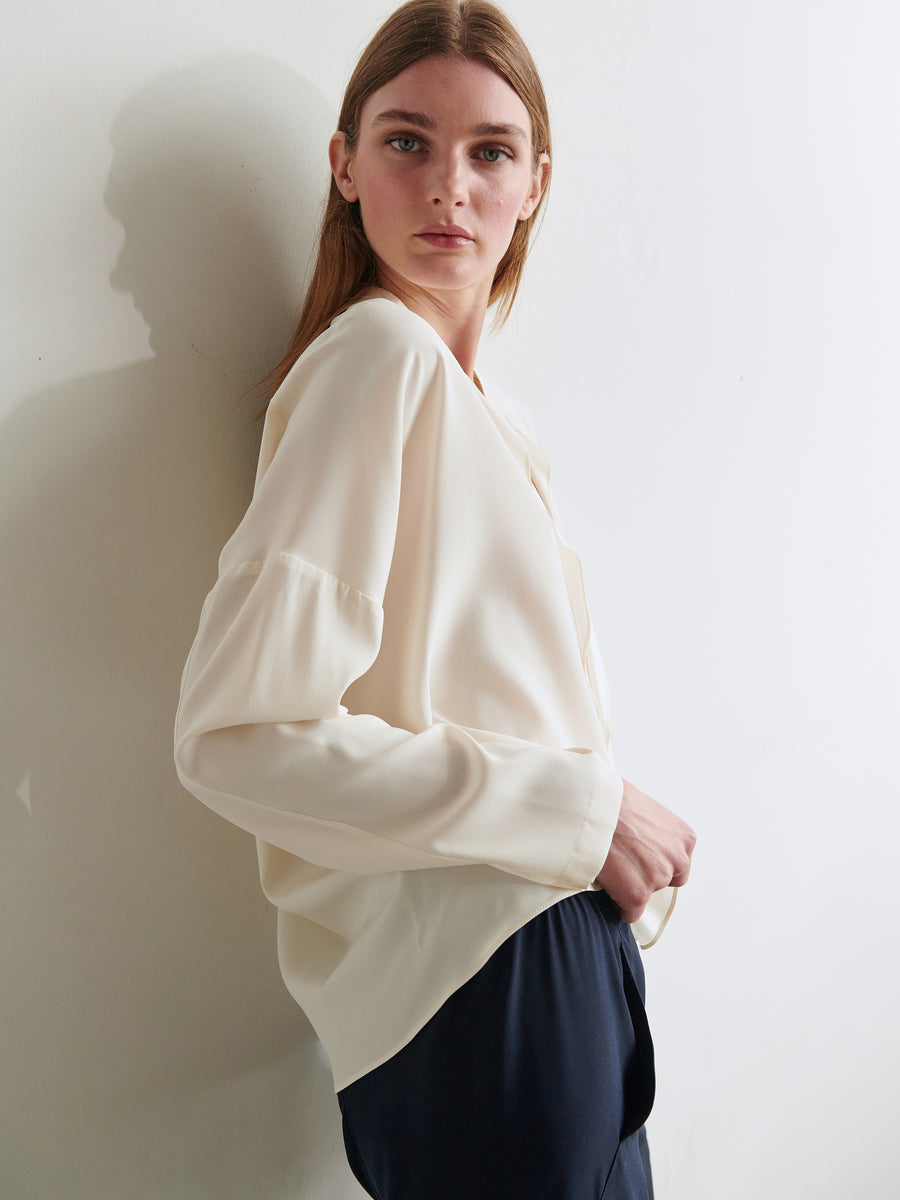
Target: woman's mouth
(445,237)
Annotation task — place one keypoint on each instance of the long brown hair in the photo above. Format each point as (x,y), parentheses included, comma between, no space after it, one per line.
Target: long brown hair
(469,29)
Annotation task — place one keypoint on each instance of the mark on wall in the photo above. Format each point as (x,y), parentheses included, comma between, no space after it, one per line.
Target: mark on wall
(23,791)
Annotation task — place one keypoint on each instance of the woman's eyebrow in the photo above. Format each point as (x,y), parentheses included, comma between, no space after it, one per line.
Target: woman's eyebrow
(505,131)
(401,116)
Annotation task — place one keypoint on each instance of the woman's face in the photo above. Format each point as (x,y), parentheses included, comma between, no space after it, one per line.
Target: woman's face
(443,169)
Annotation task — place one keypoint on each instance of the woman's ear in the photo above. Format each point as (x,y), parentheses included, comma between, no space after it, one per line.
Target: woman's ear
(339,158)
(538,183)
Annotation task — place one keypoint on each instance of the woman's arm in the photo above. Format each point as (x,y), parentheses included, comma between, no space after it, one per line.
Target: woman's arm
(296,617)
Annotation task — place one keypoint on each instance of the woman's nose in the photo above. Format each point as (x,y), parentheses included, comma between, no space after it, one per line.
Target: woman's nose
(449,184)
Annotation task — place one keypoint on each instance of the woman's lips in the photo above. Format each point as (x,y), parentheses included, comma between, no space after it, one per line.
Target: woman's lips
(446,237)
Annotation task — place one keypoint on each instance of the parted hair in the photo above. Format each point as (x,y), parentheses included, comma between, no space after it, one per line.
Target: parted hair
(468,29)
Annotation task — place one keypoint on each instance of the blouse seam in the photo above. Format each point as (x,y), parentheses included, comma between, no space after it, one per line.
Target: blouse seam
(255,566)
(579,837)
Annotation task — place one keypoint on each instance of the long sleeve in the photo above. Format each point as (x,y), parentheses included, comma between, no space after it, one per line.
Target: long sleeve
(355,453)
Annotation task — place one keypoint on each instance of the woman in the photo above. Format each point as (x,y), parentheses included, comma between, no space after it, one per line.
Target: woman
(392,686)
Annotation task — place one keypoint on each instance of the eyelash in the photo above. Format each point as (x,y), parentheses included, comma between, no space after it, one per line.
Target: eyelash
(507,155)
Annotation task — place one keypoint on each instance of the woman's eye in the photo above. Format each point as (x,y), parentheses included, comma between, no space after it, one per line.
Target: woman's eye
(494,154)
(406,144)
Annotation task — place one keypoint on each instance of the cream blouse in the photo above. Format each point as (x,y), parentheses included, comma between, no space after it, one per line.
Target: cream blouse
(393,687)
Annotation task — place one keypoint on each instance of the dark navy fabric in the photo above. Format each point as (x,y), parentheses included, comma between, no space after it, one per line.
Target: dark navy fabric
(532,1081)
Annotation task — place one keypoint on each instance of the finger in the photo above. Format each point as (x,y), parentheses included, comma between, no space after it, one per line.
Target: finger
(680,878)
(682,865)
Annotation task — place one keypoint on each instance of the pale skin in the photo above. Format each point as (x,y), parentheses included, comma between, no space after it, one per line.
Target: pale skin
(446,143)
(443,170)
(651,849)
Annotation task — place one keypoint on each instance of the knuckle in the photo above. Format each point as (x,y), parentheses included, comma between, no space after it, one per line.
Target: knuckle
(637,899)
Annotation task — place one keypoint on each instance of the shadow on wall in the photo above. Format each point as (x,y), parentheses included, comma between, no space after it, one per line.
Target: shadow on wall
(154,1049)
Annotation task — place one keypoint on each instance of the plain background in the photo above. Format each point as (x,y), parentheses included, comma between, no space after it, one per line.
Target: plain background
(708,343)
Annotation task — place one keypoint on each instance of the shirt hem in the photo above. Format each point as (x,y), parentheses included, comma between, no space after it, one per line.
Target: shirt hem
(339,1085)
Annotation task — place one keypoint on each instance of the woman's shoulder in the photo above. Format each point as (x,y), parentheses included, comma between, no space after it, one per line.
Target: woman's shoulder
(375,354)
(383,322)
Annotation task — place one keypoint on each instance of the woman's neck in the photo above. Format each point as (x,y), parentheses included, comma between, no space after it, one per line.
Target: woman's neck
(456,317)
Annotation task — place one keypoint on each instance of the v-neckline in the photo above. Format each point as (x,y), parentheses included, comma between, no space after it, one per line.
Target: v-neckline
(494,409)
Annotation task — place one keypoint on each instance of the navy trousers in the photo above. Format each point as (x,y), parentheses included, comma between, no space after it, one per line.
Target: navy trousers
(532,1081)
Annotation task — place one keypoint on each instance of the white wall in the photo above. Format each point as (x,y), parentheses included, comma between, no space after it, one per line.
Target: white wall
(720,401)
